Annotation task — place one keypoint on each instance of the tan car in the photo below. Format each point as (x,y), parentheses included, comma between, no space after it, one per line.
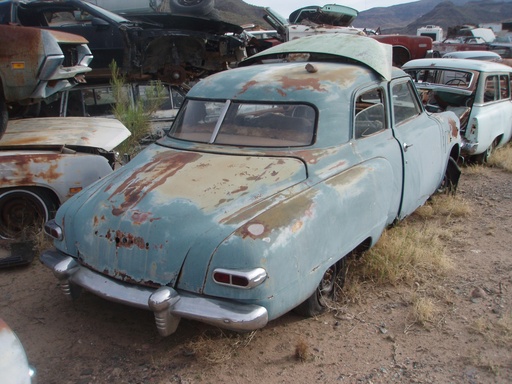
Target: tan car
(36,64)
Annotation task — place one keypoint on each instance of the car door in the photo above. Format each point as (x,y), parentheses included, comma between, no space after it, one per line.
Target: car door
(423,149)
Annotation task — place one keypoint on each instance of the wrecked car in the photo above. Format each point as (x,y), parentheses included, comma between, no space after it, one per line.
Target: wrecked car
(271,174)
(98,100)
(477,91)
(45,161)
(35,65)
(171,48)
(333,18)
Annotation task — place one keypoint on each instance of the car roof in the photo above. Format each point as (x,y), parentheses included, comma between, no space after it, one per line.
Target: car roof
(344,47)
(462,64)
(476,55)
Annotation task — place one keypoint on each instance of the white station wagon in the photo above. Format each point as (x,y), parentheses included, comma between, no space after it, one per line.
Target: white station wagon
(477,91)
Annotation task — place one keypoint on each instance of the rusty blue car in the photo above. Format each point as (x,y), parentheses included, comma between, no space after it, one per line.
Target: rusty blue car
(270,175)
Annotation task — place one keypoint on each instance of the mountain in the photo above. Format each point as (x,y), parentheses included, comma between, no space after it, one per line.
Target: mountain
(403,18)
(406,18)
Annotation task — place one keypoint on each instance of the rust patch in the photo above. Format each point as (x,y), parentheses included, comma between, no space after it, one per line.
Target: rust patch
(22,169)
(453,126)
(248,85)
(155,172)
(302,84)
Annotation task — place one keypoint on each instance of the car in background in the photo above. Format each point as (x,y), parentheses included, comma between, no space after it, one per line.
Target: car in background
(13,359)
(35,65)
(45,161)
(172,48)
(475,55)
(459,43)
(98,100)
(333,18)
(477,91)
(271,174)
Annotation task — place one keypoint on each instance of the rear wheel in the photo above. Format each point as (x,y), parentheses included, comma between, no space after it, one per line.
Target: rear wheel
(483,157)
(24,210)
(451,178)
(326,292)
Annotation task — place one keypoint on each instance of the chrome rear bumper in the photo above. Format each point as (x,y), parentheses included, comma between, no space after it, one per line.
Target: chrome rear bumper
(167,304)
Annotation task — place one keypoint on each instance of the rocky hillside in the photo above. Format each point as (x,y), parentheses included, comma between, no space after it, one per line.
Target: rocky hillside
(403,18)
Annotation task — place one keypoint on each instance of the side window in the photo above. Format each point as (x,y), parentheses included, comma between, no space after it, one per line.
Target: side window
(504,86)
(405,105)
(370,113)
(491,90)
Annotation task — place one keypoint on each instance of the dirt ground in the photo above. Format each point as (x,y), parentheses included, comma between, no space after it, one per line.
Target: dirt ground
(373,341)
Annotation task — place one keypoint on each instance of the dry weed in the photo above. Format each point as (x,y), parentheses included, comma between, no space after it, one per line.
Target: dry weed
(424,311)
(502,158)
(302,351)
(217,347)
(498,332)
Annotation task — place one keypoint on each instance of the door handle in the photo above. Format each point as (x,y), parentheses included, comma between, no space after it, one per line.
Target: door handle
(407,146)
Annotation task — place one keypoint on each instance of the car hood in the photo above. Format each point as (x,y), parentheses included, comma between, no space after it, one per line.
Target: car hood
(167,207)
(91,132)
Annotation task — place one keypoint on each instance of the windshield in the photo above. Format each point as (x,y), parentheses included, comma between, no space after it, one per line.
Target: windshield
(245,124)
(455,78)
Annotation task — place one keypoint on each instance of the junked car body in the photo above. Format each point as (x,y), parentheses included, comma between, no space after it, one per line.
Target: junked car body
(99,100)
(334,18)
(477,91)
(271,174)
(35,65)
(45,161)
(171,48)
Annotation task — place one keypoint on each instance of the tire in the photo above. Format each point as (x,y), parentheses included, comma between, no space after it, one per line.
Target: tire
(192,7)
(483,157)
(4,116)
(24,210)
(451,178)
(326,292)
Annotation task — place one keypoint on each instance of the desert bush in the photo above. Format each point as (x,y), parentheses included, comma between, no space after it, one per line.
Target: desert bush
(135,115)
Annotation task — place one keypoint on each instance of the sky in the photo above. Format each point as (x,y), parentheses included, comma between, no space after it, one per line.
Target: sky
(285,7)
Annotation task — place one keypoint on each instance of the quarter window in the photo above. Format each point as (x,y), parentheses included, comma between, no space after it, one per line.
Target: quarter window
(405,104)
(370,114)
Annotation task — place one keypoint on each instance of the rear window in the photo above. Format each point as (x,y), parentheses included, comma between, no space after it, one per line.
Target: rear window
(245,124)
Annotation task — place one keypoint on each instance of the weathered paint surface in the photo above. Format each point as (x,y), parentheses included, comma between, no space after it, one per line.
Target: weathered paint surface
(92,132)
(45,152)
(181,209)
(362,49)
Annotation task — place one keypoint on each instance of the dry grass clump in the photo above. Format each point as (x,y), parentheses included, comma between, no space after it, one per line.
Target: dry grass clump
(424,310)
(302,352)
(502,158)
(217,346)
(405,254)
(499,332)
